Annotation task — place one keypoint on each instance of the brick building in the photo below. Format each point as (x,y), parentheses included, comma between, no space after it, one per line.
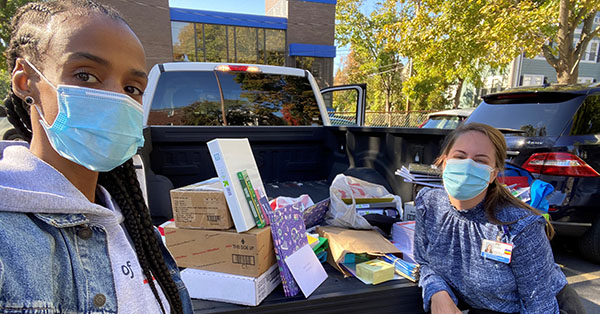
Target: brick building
(295,33)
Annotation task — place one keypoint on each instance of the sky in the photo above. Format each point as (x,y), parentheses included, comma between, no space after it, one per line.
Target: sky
(251,7)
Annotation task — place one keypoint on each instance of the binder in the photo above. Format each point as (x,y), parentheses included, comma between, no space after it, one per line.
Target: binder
(230,156)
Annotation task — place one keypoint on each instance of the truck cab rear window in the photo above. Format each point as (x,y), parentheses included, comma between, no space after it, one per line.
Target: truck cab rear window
(233,98)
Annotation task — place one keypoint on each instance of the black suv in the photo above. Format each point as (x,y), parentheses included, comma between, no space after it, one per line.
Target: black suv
(554,132)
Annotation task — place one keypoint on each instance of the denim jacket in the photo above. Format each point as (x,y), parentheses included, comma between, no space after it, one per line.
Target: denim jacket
(53,257)
(35,251)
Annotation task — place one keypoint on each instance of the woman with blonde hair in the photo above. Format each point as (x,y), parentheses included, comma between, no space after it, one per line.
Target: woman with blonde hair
(480,247)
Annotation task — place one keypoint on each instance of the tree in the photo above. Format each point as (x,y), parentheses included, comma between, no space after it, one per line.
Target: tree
(451,42)
(560,50)
(369,62)
(7,10)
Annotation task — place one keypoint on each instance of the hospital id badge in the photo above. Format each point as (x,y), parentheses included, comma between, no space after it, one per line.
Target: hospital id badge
(498,251)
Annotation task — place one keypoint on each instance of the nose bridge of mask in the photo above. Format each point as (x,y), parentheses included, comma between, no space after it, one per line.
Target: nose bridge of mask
(471,166)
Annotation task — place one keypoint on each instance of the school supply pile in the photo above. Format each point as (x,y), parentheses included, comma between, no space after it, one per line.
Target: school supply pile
(352,199)
(263,236)
(366,255)
(420,174)
(202,237)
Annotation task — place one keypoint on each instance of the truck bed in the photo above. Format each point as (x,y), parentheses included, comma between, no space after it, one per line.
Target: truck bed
(293,161)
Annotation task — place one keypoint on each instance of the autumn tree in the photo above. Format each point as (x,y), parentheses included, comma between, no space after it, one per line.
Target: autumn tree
(561,50)
(450,43)
(370,62)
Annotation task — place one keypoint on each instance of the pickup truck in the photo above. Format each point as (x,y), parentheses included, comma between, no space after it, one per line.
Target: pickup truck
(283,115)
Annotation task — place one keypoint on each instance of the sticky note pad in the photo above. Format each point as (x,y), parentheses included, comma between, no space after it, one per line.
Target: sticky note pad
(375,271)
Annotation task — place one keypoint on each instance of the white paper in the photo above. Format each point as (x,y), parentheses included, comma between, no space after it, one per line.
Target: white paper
(306,269)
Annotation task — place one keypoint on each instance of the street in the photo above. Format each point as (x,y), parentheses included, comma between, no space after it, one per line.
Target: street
(582,275)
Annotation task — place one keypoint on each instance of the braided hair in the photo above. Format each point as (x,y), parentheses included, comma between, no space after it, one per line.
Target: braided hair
(29,39)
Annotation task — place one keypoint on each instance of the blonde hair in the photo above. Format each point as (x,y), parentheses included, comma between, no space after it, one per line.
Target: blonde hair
(496,195)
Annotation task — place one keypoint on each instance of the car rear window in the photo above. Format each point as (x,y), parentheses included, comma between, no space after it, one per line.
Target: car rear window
(442,122)
(233,98)
(533,116)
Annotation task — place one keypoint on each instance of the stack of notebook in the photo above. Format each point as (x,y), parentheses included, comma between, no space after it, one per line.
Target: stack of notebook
(427,175)
(403,268)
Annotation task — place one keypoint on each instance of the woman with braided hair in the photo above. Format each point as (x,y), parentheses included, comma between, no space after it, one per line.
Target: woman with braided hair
(75,233)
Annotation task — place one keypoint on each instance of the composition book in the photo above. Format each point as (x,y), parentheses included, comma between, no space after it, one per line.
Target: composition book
(230,156)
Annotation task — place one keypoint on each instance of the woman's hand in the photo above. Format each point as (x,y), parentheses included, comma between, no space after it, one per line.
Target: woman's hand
(441,303)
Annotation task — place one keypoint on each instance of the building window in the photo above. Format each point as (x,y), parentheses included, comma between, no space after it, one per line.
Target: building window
(585,80)
(245,45)
(591,52)
(320,68)
(215,43)
(532,80)
(184,43)
(224,43)
(275,46)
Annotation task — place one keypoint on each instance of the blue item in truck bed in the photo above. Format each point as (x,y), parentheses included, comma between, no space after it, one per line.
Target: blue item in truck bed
(539,190)
(512,170)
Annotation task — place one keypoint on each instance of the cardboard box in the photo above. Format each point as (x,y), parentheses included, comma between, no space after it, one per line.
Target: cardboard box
(222,287)
(201,205)
(249,253)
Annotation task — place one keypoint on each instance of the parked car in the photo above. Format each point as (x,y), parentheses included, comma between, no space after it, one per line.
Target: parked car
(554,132)
(447,119)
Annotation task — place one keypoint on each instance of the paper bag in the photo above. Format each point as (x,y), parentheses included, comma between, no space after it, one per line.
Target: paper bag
(342,241)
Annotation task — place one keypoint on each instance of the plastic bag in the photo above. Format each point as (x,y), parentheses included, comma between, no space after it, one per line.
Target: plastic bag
(539,190)
(283,201)
(344,215)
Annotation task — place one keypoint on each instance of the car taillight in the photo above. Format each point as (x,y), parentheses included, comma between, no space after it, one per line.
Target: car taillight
(237,68)
(559,164)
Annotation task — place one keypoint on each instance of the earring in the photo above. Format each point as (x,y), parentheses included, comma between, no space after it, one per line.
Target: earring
(29,100)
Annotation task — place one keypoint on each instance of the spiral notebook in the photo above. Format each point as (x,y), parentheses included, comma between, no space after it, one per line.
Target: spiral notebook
(289,235)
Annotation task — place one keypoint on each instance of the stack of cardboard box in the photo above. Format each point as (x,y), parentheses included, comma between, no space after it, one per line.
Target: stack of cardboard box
(222,264)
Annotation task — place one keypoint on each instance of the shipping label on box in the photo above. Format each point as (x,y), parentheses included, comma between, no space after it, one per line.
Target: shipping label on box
(201,205)
(248,253)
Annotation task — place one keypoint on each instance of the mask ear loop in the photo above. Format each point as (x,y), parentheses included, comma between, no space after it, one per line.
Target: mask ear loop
(40,74)
(31,102)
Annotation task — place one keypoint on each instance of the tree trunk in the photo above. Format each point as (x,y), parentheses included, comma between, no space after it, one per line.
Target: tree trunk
(569,56)
(457,94)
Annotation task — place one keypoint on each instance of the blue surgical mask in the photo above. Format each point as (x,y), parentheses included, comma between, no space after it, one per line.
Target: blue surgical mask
(97,129)
(464,178)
